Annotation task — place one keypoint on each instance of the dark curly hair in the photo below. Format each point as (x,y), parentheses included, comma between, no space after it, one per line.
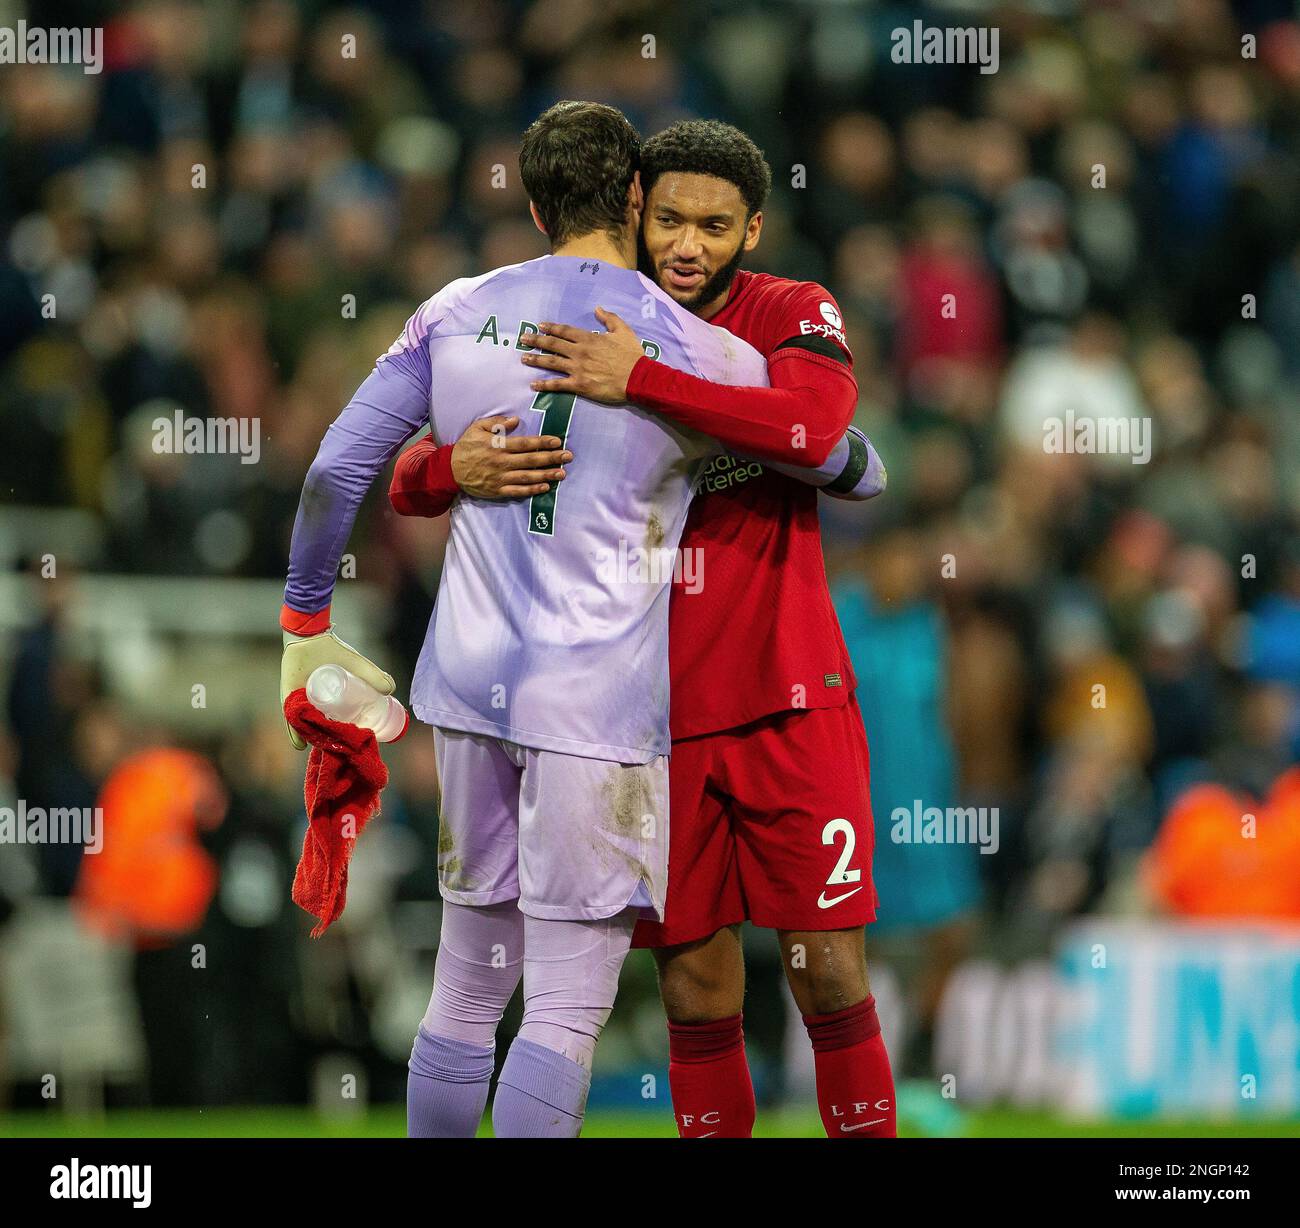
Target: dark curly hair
(708,147)
(576,161)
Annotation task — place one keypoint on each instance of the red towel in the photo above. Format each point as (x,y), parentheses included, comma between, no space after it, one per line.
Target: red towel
(345,777)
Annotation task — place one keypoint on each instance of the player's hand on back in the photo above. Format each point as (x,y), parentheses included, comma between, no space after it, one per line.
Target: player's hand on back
(490,463)
(596,366)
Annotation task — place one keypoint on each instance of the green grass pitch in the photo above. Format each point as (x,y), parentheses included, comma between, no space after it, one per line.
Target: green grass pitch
(388,1121)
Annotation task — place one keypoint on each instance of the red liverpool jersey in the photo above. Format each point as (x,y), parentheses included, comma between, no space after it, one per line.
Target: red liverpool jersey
(760,634)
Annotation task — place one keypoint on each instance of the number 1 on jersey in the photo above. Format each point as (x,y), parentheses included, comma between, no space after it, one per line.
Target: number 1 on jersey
(556,410)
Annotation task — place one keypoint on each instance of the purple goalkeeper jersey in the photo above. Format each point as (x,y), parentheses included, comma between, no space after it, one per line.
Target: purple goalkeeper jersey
(551,623)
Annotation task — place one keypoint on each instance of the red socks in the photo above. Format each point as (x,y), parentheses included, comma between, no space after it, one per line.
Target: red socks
(713,1096)
(855,1089)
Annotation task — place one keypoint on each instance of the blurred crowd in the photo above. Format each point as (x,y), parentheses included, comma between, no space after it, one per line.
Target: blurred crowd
(236,216)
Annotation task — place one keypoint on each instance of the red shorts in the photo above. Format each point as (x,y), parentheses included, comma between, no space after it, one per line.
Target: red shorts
(769,823)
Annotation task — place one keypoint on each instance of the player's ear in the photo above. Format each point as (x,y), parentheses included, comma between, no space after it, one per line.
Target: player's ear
(537,218)
(753,229)
(635,200)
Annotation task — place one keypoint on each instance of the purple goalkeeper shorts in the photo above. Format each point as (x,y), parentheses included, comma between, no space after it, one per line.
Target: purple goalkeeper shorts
(572,839)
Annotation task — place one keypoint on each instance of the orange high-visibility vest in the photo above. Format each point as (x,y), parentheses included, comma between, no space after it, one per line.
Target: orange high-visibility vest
(152,880)
(1205,863)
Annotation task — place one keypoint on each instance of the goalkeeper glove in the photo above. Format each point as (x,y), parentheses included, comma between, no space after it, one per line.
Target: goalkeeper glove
(304,653)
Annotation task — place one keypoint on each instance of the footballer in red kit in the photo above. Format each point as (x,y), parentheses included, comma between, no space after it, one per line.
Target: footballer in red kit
(770,815)
(768,748)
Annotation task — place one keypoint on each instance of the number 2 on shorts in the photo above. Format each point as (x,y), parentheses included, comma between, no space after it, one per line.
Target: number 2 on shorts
(842,874)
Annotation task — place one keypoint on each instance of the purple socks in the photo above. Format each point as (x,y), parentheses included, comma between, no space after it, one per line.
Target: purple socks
(570,972)
(480,960)
(540,1094)
(446,1087)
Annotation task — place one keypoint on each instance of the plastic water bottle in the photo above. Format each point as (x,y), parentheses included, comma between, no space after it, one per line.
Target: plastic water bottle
(342,696)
